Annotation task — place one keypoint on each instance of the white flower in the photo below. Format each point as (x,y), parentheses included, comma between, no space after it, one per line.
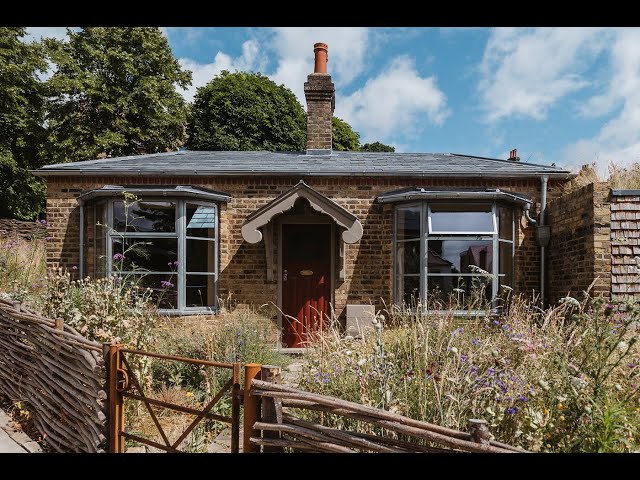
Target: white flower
(454,349)
(348,352)
(571,301)
(361,362)
(623,346)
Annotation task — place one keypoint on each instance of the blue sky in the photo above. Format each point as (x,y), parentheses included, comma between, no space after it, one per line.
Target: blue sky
(564,95)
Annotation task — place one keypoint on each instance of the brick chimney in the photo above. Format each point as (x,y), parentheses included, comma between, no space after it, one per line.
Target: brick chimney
(321,99)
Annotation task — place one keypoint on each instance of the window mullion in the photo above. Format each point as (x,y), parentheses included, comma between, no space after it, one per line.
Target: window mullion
(107,238)
(424,219)
(496,255)
(182,258)
(215,257)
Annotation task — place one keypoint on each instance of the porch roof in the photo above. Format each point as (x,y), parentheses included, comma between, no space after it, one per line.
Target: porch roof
(352,226)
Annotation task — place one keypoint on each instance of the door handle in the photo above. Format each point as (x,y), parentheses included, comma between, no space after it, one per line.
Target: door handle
(284,276)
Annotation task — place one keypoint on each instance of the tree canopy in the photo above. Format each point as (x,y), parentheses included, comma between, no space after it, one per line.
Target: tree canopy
(246,111)
(114,93)
(21,124)
(249,111)
(343,137)
(377,147)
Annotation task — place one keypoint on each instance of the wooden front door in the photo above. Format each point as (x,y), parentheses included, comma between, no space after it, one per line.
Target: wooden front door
(306,281)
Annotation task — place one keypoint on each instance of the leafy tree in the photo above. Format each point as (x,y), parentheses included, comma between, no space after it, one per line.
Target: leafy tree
(246,111)
(21,124)
(377,147)
(344,138)
(114,93)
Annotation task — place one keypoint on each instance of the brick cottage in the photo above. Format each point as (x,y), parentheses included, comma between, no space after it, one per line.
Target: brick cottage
(320,232)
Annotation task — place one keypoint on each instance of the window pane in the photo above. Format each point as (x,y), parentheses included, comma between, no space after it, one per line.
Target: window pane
(461,218)
(408,222)
(145,217)
(200,256)
(200,291)
(408,257)
(506,258)
(95,259)
(151,254)
(505,222)
(164,288)
(201,220)
(457,256)
(408,290)
(464,291)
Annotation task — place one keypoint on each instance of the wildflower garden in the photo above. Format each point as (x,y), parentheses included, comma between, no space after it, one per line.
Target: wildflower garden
(563,379)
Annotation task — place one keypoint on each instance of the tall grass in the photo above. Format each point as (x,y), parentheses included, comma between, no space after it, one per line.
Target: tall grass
(561,380)
(22,266)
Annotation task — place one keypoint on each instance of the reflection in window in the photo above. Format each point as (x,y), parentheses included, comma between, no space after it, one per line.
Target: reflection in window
(449,218)
(454,263)
(144,217)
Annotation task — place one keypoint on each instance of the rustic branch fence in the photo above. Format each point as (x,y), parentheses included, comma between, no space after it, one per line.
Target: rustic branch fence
(59,373)
(279,428)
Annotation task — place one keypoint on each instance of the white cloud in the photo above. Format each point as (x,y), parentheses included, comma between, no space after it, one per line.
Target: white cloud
(294,49)
(249,60)
(393,104)
(619,138)
(526,71)
(38,33)
(397,101)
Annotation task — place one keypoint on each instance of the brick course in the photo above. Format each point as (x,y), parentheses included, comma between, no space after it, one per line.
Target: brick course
(579,252)
(368,263)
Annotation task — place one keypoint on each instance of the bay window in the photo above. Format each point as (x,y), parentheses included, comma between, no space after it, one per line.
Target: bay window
(452,251)
(167,243)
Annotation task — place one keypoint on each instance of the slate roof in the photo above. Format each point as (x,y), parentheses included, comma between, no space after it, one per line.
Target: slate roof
(220,163)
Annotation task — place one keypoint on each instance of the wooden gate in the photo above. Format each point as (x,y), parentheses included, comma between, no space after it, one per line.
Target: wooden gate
(123,383)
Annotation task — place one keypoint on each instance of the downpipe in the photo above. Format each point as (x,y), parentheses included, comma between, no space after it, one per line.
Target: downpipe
(541,223)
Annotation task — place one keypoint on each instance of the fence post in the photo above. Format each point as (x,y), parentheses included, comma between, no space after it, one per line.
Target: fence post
(235,409)
(251,408)
(116,410)
(270,411)
(479,431)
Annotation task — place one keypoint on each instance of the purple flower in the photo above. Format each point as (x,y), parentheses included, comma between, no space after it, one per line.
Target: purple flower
(457,331)
(475,341)
(496,322)
(474,369)
(166,284)
(512,410)
(175,264)
(119,256)
(523,398)
(464,357)
(491,370)
(74,267)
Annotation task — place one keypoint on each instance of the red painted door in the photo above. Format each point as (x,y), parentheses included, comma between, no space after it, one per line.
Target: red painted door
(306,283)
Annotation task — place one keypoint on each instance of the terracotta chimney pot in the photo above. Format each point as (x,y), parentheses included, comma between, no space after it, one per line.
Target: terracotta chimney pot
(321,51)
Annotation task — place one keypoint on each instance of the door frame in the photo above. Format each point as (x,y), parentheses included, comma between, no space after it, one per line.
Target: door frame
(298,220)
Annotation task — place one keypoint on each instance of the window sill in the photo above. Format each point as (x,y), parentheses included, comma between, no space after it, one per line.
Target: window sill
(170,312)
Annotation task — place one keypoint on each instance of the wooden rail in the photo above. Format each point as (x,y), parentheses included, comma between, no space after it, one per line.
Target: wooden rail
(58,374)
(281,429)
